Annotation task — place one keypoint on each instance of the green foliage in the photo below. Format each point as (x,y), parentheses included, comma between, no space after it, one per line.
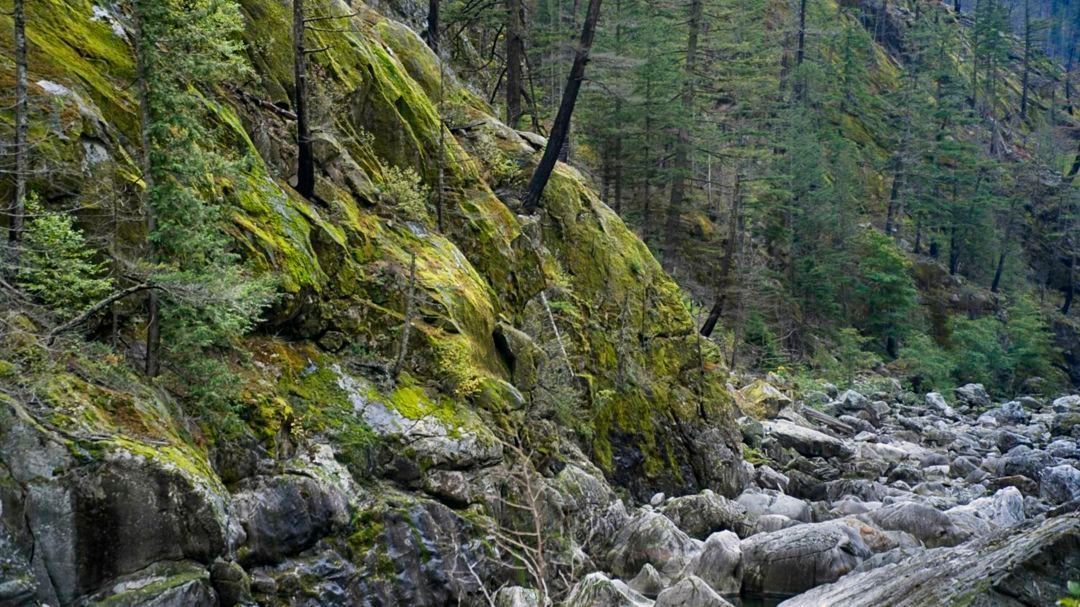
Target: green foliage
(884,294)
(845,358)
(405,193)
(1073,600)
(56,265)
(998,352)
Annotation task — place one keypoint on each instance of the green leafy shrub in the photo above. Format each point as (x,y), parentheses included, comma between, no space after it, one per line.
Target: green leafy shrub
(1073,600)
(925,365)
(56,265)
(846,357)
(406,195)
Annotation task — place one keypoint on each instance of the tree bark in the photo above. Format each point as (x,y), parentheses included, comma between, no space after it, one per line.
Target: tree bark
(305,164)
(894,195)
(1024,86)
(515,50)
(18,207)
(800,53)
(682,146)
(566,110)
(432,33)
(1070,287)
(153,328)
(727,265)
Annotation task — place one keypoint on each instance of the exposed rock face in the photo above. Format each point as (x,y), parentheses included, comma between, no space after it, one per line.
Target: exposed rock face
(1013,567)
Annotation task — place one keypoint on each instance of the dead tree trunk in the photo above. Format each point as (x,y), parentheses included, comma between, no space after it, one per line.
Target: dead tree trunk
(800,52)
(515,50)
(1024,86)
(681,167)
(153,328)
(566,110)
(432,33)
(305,161)
(18,207)
(727,265)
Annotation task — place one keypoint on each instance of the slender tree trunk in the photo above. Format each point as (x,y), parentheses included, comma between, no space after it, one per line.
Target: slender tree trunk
(566,110)
(918,235)
(681,172)
(727,265)
(975,57)
(1070,287)
(956,6)
(305,165)
(18,207)
(432,33)
(1024,87)
(515,49)
(800,52)
(894,195)
(153,329)
(996,284)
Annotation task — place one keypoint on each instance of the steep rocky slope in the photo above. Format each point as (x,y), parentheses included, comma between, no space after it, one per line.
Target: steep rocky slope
(554,345)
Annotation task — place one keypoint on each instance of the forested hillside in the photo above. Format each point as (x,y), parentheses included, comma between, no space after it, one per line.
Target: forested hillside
(518,303)
(835,184)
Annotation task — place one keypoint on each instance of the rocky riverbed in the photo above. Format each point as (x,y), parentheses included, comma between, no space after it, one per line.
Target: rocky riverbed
(868,499)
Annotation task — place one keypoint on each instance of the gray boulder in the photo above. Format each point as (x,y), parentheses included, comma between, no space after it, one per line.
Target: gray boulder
(972,395)
(649,582)
(1066,403)
(690,592)
(1060,484)
(1013,567)
(1012,412)
(651,538)
(759,503)
(937,404)
(719,563)
(930,525)
(797,559)
(806,442)
(516,596)
(598,590)
(702,514)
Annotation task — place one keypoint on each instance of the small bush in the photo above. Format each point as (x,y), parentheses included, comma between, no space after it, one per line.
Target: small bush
(56,266)
(405,193)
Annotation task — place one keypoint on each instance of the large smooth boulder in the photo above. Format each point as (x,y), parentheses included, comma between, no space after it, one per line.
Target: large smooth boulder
(651,538)
(1023,461)
(1066,403)
(972,395)
(807,442)
(760,503)
(702,514)
(937,404)
(1060,484)
(719,563)
(1012,412)
(797,559)
(598,590)
(930,525)
(1026,565)
(516,596)
(691,592)
(1004,509)
(761,399)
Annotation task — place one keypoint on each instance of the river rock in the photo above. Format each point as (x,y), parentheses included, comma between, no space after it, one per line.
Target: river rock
(1060,484)
(719,563)
(598,590)
(516,596)
(797,559)
(758,503)
(652,538)
(972,395)
(702,514)
(692,591)
(649,582)
(1018,566)
(932,527)
(937,404)
(807,442)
